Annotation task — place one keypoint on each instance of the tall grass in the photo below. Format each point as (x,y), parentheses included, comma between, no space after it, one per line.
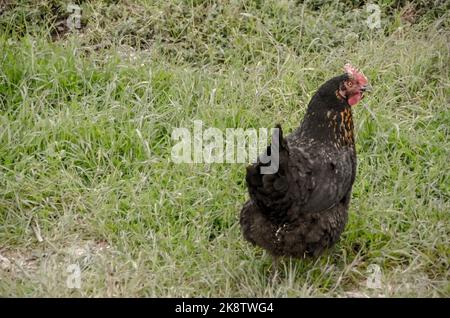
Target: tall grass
(85,125)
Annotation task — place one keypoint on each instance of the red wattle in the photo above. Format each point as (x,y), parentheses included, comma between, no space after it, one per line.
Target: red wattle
(354,99)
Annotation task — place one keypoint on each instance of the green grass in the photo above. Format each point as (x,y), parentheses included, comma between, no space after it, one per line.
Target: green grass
(85,128)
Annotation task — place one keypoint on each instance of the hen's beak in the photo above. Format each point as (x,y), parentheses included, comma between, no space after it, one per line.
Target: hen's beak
(366,88)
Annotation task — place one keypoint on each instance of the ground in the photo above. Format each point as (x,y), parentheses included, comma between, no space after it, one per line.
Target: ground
(87,113)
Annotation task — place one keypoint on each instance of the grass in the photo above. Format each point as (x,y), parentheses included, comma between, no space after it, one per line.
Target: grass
(85,125)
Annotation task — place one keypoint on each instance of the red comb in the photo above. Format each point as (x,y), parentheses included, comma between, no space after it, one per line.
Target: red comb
(354,73)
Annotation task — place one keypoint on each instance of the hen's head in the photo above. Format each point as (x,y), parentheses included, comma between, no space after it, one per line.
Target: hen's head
(329,115)
(353,85)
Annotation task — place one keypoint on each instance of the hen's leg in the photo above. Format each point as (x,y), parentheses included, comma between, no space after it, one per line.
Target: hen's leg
(274,271)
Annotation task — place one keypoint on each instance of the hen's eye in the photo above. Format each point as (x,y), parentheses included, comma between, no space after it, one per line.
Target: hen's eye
(350,84)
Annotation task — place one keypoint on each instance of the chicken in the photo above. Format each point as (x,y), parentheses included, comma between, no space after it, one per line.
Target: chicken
(301,209)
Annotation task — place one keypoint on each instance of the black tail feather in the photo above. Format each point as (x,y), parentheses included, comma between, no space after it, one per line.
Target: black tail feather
(270,191)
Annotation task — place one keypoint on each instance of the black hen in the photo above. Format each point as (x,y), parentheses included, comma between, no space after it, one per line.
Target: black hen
(302,208)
